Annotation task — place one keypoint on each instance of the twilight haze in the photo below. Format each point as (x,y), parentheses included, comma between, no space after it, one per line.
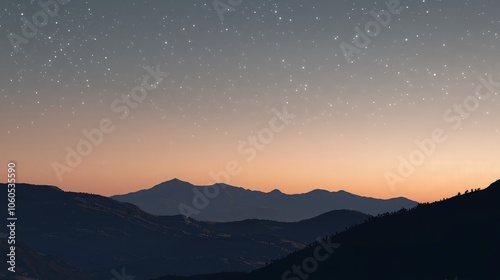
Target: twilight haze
(354,115)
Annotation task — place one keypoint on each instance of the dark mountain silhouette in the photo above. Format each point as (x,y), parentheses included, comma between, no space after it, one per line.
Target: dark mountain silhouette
(458,238)
(236,204)
(100,234)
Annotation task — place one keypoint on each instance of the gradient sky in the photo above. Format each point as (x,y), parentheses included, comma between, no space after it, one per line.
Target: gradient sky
(352,120)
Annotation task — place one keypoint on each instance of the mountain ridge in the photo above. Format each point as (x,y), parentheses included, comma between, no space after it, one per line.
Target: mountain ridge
(165,184)
(232,203)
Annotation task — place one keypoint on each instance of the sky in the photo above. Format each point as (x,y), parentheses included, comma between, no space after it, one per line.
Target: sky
(110,97)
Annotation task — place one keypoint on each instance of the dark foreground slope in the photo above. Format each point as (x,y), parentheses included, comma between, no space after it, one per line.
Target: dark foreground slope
(458,237)
(31,265)
(103,235)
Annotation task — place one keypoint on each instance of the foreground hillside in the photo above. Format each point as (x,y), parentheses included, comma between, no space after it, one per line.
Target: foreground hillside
(458,237)
(31,265)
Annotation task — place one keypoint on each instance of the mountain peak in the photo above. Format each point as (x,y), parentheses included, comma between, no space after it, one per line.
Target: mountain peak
(275,191)
(319,191)
(175,180)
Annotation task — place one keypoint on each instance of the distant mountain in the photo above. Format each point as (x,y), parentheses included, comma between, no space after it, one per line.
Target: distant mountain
(236,204)
(103,235)
(458,238)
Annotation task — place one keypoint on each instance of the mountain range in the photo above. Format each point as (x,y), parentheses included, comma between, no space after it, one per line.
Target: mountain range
(94,233)
(224,203)
(67,235)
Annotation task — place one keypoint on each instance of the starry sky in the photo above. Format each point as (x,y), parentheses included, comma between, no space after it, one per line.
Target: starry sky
(230,72)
